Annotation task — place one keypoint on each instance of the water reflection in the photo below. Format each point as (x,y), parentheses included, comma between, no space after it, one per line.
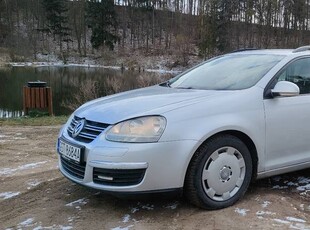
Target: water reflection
(8,114)
(65,82)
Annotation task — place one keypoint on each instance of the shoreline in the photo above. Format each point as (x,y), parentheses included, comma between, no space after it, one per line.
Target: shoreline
(60,64)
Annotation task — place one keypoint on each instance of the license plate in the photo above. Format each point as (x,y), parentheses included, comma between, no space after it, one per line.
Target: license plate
(70,151)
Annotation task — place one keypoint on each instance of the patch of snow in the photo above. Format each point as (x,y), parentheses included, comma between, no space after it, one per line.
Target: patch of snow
(293,219)
(302,184)
(76,203)
(266,204)
(292,184)
(33,183)
(58,63)
(303,188)
(281,221)
(122,228)
(8,195)
(134,210)
(263,213)
(303,180)
(241,212)
(3,137)
(299,226)
(19,138)
(163,71)
(71,219)
(126,218)
(9,171)
(279,187)
(65,227)
(140,206)
(305,193)
(172,206)
(148,207)
(53,227)
(27,222)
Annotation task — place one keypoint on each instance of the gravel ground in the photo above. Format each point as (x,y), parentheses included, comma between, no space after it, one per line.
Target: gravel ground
(34,195)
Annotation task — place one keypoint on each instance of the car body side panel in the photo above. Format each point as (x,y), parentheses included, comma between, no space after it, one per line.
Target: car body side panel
(240,112)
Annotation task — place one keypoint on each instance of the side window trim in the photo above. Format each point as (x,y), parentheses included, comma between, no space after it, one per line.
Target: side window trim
(272,82)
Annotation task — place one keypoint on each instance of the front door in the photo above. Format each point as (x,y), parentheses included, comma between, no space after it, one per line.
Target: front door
(288,120)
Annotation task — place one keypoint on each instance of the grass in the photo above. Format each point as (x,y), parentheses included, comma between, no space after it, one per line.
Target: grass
(34,121)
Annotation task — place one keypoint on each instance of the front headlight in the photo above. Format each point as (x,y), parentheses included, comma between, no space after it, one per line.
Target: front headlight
(139,130)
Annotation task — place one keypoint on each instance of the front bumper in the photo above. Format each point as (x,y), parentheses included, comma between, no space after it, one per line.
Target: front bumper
(130,167)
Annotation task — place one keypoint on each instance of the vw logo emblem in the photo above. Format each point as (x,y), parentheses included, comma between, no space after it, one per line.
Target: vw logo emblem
(78,128)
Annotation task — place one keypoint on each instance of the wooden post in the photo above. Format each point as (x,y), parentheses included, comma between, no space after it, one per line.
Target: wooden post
(49,101)
(37,98)
(25,97)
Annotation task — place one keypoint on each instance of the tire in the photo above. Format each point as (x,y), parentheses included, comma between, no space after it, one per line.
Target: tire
(219,173)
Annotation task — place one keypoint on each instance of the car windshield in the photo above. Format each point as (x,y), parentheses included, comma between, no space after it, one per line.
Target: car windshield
(229,72)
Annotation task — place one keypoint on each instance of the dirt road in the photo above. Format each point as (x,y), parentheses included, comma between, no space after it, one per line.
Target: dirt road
(34,195)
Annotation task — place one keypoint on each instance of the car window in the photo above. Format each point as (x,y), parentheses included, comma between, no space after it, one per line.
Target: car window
(229,72)
(298,72)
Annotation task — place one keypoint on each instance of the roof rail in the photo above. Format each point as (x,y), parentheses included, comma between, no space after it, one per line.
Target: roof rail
(301,49)
(244,49)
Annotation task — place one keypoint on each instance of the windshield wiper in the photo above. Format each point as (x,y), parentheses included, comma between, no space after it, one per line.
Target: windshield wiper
(166,84)
(188,87)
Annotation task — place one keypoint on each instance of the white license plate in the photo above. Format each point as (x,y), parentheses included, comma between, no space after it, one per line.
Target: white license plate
(69,151)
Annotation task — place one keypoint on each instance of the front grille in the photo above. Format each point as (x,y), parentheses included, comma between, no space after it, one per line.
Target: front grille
(118,177)
(73,168)
(90,131)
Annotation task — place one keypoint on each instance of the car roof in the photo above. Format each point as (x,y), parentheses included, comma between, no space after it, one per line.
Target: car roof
(266,51)
(301,50)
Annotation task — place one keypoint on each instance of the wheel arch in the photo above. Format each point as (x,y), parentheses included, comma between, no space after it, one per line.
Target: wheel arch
(245,139)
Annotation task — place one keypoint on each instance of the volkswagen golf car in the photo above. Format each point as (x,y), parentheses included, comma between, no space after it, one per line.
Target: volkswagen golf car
(208,132)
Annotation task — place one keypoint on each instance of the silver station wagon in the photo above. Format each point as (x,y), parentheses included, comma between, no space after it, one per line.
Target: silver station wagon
(208,132)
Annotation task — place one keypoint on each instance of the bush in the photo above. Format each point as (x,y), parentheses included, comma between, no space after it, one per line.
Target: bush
(89,91)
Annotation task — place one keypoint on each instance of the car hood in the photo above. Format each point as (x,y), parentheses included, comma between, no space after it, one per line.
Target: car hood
(154,100)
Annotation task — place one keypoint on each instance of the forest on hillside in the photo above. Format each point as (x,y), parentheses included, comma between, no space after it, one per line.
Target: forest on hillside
(150,27)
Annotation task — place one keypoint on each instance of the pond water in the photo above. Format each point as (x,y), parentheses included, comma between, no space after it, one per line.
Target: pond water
(68,84)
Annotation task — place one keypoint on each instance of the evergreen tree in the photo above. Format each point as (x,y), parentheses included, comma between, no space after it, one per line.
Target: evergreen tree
(224,15)
(57,19)
(209,33)
(101,18)
(4,29)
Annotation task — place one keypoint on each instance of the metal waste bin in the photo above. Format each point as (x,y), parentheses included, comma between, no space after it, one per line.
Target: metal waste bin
(36,95)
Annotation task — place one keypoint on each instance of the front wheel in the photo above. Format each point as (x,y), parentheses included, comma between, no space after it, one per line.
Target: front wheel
(219,173)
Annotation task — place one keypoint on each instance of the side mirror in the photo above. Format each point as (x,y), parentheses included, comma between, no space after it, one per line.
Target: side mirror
(285,89)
